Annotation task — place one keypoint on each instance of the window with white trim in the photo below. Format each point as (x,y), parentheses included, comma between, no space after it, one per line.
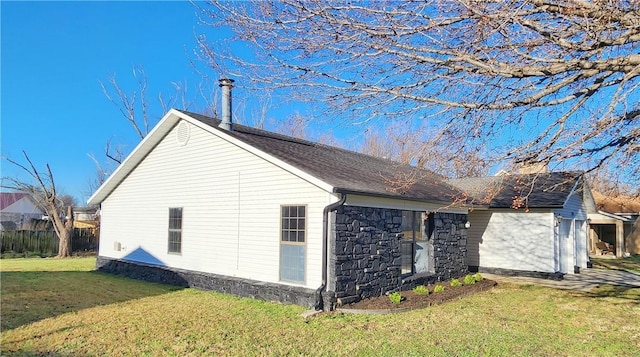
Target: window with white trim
(293,230)
(175,230)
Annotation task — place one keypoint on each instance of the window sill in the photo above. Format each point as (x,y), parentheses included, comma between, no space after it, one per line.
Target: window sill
(418,277)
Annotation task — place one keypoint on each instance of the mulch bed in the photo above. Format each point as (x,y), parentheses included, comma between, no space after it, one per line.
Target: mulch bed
(382,304)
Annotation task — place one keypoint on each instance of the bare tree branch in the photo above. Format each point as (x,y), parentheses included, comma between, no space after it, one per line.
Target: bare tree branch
(545,81)
(44,192)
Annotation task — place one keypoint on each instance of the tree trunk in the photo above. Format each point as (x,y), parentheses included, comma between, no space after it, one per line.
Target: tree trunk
(64,246)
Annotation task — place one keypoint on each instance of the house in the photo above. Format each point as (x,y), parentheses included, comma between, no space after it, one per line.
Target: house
(18,210)
(616,223)
(82,214)
(86,218)
(528,224)
(216,205)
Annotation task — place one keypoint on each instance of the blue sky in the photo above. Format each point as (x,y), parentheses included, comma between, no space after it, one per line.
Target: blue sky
(53,56)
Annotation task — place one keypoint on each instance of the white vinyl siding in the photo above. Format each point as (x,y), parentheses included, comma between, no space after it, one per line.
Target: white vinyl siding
(478,221)
(573,208)
(233,200)
(509,239)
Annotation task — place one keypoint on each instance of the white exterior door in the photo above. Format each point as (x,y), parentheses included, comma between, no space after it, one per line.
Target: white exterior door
(565,258)
(582,253)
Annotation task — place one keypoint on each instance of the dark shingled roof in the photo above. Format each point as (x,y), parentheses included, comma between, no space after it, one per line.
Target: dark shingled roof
(543,190)
(346,171)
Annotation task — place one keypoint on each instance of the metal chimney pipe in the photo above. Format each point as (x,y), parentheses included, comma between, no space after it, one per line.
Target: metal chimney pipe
(226,84)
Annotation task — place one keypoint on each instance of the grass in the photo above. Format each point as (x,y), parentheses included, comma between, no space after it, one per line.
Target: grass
(630,264)
(47,265)
(132,318)
(34,289)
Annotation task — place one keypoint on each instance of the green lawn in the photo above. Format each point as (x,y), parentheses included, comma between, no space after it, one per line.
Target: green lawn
(630,264)
(36,288)
(80,312)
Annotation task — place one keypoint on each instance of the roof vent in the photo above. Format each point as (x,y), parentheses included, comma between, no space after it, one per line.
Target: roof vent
(182,133)
(226,85)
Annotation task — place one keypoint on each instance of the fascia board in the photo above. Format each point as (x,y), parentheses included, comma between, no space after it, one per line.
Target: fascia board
(573,190)
(615,216)
(136,156)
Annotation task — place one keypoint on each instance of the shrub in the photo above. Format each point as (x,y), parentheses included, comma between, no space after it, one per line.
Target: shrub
(456,282)
(478,277)
(395,297)
(438,288)
(421,289)
(469,280)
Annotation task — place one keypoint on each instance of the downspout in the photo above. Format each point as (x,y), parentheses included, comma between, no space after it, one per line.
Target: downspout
(325,243)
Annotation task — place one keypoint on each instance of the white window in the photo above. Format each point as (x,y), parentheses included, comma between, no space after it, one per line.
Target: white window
(175,230)
(293,243)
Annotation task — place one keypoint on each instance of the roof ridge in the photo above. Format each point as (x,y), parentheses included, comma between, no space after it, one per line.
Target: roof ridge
(248,129)
(278,136)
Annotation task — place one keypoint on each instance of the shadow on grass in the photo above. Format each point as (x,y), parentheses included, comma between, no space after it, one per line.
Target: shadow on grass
(629,264)
(31,296)
(24,348)
(625,293)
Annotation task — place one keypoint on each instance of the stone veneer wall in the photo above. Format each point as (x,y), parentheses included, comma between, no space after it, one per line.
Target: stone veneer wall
(365,259)
(206,281)
(450,245)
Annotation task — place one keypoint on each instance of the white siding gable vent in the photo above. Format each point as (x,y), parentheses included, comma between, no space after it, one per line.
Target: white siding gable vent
(182,133)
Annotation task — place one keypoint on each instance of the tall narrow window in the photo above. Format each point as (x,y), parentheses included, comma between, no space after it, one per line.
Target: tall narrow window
(293,243)
(408,228)
(175,230)
(416,246)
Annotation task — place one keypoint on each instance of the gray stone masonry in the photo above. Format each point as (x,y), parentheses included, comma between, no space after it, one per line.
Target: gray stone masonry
(450,246)
(206,281)
(365,259)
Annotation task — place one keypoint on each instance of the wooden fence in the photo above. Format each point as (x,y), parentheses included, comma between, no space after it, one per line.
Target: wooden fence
(46,242)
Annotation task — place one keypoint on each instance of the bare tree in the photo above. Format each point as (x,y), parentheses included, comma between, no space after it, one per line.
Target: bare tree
(59,208)
(141,114)
(609,183)
(103,170)
(295,125)
(134,107)
(415,146)
(536,80)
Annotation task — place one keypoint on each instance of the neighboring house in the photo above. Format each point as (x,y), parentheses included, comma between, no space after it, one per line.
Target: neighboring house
(85,214)
(216,205)
(616,224)
(18,210)
(528,224)
(86,218)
